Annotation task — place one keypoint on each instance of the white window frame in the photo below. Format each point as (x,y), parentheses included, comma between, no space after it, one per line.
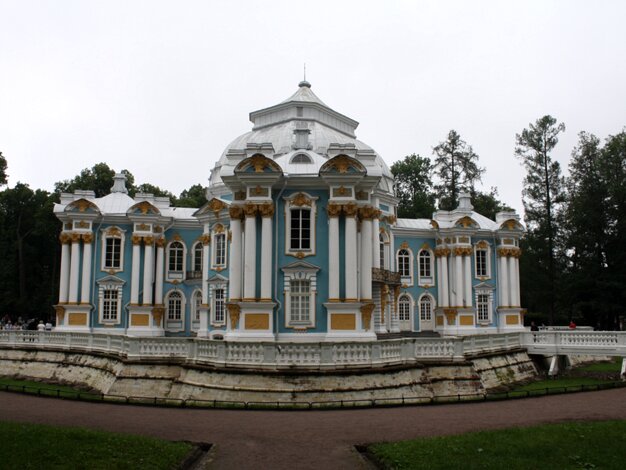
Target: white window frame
(219,236)
(405,279)
(409,304)
(110,284)
(300,272)
(422,279)
(482,246)
(383,249)
(196,304)
(175,324)
(108,234)
(489,294)
(431,300)
(292,202)
(176,275)
(214,287)
(197,255)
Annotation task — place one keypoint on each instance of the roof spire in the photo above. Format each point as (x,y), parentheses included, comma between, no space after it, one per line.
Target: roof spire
(304,82)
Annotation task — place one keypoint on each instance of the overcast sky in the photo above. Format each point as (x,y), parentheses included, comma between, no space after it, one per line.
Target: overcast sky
(160,88)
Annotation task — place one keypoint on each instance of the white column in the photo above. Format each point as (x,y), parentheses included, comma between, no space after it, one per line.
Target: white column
(267,211)
(74,267)
(439,277)
(392,251)
(148,268)
(134,274)
(205,268)
(458,272)
(518,300)
(160,269)
(64,282)
(467,281)
(366,256)
(333,257)
(234,278)
(503,283)
(350,254)
(86,274)
(249,261)
(513,281)
(445,288)
(376,237)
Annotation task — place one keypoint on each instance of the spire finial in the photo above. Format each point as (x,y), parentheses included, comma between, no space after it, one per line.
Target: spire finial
(304,82)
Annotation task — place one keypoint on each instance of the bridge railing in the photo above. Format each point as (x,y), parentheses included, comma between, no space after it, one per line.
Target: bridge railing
(320,355)
(612,343)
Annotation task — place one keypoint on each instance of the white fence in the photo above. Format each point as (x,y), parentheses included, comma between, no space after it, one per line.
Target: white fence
(271,355)
(321,355)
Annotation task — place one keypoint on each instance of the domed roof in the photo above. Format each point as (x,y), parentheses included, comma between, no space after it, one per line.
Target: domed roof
(301,124)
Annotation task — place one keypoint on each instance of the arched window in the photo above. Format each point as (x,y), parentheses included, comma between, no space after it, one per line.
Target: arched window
(301,158)
(197,258)
(197,303)
(404,308)
(426,308)
(384,250)
(404,263)
(174,306)
(426,272)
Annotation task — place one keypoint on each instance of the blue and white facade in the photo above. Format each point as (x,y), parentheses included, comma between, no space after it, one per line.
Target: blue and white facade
(299,242)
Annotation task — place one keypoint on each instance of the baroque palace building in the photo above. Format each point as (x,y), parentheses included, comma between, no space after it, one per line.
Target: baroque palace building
(299,241)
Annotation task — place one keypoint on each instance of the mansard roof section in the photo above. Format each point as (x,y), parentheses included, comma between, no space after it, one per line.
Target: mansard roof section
(82,206)
(303,106)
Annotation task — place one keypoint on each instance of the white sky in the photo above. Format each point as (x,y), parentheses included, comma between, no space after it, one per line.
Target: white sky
(160,88)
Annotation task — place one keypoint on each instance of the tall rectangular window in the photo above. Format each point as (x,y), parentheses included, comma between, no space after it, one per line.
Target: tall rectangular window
(425,264)
(110,301)
(220,250)
(300,229)
(219,310)
(481,263)
(300,300)
(113,253)
(404,260)
(482,307)
(176,255)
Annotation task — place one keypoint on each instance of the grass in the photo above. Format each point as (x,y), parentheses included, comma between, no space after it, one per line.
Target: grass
(561,382)
(614,366)
(36,446)
(557,446)
(40,388)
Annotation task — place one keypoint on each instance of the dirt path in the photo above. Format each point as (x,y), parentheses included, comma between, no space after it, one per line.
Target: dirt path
(315,440)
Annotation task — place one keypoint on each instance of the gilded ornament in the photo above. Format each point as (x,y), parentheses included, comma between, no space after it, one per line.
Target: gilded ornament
(143,227)
(87,237)
(250,210)
(160,242)
(462,251)
(259,162)
(341,163)
(65,238)
(425,246)
(300,255)
(145,207)
(83,205)
(136,239)
(404,245)
(434,224)
(234,311)
(366,213)
(464,239)
(465,222)
(60,311)
(333,210)
(176,237)
(157,315)
(113,232)
(366,315)
(218,228)
(361,196)
(301,199)
(267,209)
(508,241)
(82,224)
(75,237)
(240,196)
(216,206)
(148,241)
(482,244)
(158,229)
(350,209)
(205,238)
(235,212)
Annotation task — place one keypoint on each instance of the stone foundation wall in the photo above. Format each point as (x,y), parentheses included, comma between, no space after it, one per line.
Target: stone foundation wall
(113,376)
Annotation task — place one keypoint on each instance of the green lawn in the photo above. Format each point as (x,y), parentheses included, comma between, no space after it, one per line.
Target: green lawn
(593,445)
(36,446)
(614,366)
(41,388)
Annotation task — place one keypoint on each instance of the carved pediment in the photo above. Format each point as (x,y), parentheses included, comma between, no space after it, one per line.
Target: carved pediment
(82,205)
(143,208)
(466,222)
(342,164)
(258,164)
(511,224)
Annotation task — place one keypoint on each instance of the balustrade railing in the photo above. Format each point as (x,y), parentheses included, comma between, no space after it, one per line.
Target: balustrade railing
(324,355)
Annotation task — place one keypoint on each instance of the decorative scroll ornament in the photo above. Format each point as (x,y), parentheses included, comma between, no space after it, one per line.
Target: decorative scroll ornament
(234,311)
(113,232)
(350,209)
(83,205)
(143,227)
(218,228)
(466,222)
(148,241)
(177,237)
(425,246)
(65,238)
(442,252)
(366,213)
(75,237)
(482,244)
(266,210)
(160,242)
(235,212)
(404,245)
(333,210)
(366,315)
(250,210)
(216,206)
(462,251)
(82,224)
(509,252)
(301,199)
(205,239)
(136,239)
(145,207)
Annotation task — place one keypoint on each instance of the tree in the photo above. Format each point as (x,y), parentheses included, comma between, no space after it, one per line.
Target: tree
(28,239)
(542,198)
(487,203)
(99,179)
(3,170)
(150,189)
(195,196)
(414,187)
(456,166)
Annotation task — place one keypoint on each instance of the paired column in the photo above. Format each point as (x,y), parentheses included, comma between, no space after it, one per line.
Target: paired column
(350,210)
(366,213)
(442,271)
(467,265)
(249,276)
(64,282)
(334,210)
(504,277)
(134,274)
(74,268)
(458,273)
(267,211)
(86,274)
(160,269)
(234,285)
(148,269)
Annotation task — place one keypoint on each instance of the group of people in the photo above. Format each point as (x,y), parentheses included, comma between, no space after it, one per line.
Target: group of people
(19,324)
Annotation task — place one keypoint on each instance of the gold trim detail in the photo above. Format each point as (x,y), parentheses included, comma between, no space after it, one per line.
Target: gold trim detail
(366,315)
(301,199)
(234,311)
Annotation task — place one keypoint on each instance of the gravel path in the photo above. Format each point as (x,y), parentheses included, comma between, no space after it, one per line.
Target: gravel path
(317,439)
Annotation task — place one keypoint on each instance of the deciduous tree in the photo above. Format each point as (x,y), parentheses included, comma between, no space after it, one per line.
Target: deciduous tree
(414,187)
